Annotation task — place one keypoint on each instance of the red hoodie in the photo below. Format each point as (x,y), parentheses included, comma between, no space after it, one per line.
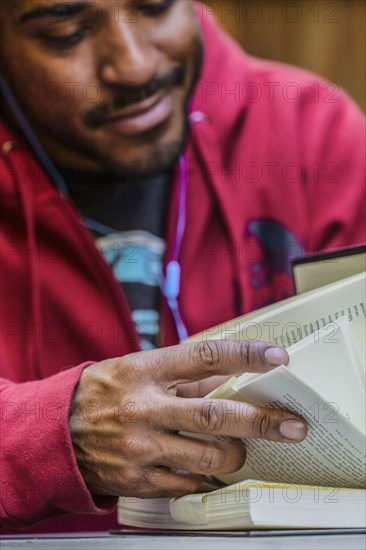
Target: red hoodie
(275,169)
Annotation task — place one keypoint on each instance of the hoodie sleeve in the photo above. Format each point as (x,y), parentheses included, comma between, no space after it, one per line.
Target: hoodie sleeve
(40,478)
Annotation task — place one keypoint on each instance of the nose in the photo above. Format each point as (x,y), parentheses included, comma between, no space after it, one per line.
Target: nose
(126,55)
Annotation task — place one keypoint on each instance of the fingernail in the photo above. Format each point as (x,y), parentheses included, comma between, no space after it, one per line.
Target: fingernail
(293,429)
(276,356)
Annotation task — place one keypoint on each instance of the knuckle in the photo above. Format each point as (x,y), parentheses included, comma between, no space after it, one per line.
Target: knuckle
(207,354)
(138,407)
(212,460)
(135,366)
(140,410)
(262,424)
(158,363)
(127,366)
(248,352)
(208,418)
(134,447)
(129,411)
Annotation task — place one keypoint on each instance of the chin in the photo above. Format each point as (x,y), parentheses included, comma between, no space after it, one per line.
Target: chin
(159,159)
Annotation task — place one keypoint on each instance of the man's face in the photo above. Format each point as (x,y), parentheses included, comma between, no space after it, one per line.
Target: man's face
(104,83)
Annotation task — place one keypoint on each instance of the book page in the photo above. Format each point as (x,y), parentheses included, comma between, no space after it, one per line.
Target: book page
(333,453)
(291,320)
(326,361)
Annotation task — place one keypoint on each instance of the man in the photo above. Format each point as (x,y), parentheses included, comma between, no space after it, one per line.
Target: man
(131,111)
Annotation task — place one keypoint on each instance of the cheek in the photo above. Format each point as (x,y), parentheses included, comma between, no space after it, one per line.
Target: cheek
(180,37)
(47,88)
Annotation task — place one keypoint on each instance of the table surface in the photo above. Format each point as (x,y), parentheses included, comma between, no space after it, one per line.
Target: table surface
(252,540)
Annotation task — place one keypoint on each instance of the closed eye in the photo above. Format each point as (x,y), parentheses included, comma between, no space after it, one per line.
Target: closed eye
(157,7)
(64,41)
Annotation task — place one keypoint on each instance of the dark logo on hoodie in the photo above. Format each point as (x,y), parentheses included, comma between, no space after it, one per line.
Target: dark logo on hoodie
(270,270)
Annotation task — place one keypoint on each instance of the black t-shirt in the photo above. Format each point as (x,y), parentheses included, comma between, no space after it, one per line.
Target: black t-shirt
(134,214)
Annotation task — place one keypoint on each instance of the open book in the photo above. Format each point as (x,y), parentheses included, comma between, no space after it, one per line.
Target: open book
(319,482)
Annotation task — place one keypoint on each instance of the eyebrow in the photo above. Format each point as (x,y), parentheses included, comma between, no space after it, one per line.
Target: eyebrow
(53,10)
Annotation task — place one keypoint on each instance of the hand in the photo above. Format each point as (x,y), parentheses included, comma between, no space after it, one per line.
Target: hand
(126,415)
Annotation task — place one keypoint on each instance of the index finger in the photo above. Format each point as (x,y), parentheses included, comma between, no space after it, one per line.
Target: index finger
(195,361)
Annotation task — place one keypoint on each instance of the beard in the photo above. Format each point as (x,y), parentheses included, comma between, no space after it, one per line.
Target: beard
(161,158)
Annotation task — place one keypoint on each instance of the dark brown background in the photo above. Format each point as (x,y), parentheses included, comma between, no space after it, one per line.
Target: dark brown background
(325,37)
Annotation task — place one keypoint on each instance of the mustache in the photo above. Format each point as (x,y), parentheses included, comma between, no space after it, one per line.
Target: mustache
(126,95)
